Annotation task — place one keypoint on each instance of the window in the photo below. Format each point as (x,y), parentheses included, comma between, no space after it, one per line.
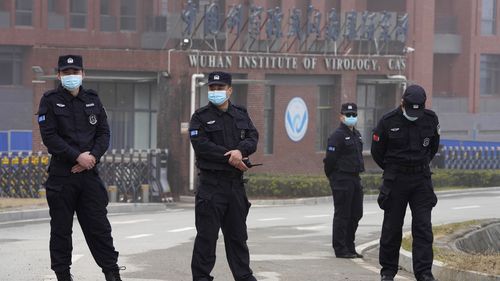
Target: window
(132,113)
(10,66)
(108,21)
(373,100)
(269,120)
(490,75)
(78,13)
(105,9)
(488,17)
(128,15)
(325,119)
(24,12)
(56,18)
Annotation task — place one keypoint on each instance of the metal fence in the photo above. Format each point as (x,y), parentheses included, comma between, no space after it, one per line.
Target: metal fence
(129,171)
(471,157)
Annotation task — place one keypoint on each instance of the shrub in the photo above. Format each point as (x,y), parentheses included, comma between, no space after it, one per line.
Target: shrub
(291,186)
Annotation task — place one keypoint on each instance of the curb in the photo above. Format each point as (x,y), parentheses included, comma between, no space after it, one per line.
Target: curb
(439,269)
(443,272)
(113,208)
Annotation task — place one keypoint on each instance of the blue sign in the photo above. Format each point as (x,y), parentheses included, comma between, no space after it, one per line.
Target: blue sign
(296,119)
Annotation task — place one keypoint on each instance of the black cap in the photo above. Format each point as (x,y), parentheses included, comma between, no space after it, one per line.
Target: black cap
(349,107)
(219,78)
(414,99)
(70,61)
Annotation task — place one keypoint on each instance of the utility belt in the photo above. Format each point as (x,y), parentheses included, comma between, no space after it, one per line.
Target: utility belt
(409,169)
(221,174)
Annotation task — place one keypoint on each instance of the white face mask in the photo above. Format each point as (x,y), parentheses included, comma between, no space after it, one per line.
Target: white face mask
(412,119)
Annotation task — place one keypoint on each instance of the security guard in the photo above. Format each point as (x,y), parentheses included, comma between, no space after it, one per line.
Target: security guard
(74,128)
(223,136)
(404,142)
(342,164)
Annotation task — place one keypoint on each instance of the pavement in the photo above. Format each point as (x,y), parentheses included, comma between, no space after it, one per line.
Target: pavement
(29,213)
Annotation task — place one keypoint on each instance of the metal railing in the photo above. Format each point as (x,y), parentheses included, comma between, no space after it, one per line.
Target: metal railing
(471,157)
(127,172)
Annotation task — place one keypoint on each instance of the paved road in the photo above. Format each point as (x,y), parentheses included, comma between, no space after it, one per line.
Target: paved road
(287,243)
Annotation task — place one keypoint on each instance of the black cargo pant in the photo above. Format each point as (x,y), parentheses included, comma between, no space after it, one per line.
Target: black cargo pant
(85,194)
(399,190)
(221,202)
(348,205)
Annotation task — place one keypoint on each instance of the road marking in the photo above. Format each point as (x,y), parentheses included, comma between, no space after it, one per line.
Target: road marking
(316,216)
(24,221)
(181,229)
(314,227)
(49,278)
(284,257)
(372,268)
(268,276)
(271,219)
(466,207)
(371,213)
(131,221)
(366,246)
(74,258)
(138,236)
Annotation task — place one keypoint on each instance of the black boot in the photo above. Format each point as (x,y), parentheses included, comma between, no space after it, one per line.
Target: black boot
(114,275)
(64,276)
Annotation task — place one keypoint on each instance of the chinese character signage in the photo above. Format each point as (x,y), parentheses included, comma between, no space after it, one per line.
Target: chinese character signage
(253,23)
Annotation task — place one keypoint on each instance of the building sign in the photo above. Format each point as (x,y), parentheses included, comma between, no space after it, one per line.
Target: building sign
(250,23)
(290,62)
(296,119)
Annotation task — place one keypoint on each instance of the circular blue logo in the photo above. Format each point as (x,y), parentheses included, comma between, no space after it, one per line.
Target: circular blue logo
(296,119)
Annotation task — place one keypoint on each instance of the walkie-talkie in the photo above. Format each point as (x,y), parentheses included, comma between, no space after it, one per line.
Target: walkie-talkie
(249,164)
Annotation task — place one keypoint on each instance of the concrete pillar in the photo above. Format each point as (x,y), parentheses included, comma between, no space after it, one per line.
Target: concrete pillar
(42,193)
(113,193)
(145,193)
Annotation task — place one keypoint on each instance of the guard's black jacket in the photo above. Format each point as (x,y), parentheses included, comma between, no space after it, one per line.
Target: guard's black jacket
(400,142)
(214,132)
(72,125)
(344,154)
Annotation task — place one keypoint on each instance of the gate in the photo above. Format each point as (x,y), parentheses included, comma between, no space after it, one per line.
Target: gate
(22,175)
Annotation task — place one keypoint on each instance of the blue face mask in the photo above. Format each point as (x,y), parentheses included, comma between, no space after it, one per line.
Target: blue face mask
(412,119)
(350,121)
(71,82)
(217,97)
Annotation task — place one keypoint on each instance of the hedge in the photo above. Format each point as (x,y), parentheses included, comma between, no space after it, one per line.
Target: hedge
(291,186)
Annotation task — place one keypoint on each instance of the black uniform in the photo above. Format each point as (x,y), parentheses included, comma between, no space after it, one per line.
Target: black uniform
(69,126)
(403,149)
(221,200)
(342,164)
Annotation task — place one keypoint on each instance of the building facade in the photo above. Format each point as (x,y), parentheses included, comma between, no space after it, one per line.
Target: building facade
(293,64)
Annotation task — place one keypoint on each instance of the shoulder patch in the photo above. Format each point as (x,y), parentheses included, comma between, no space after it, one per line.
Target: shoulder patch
(41,118)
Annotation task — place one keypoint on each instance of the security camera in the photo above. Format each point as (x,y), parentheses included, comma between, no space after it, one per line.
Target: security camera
(408,50)
(186,43)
